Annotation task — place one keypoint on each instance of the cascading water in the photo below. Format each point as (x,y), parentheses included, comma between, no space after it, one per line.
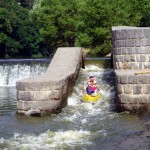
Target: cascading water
(79,126)
(13,70)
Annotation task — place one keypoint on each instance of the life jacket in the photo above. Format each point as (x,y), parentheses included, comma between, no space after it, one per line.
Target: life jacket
(93,88)
(90,89)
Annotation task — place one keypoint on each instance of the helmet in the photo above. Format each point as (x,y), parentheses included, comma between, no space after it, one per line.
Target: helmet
(91,76)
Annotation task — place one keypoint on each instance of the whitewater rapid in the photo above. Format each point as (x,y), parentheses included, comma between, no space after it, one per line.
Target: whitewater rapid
(81,122)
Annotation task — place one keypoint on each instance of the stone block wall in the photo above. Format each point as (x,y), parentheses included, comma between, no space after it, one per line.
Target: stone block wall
(133,88)
(131,47)
(131,64)
(48,93)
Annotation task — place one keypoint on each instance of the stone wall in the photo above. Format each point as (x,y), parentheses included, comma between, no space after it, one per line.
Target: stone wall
(133,88)
(131,47)
(131,64)
(48,93)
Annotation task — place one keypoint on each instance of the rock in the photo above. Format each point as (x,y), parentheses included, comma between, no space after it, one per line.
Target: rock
(31,112)
(147,123)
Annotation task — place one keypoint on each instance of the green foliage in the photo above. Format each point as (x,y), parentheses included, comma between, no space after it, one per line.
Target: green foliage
(18,36)
(26,3)
(127,13)
(145,10)
(12,47)
(85,23)
(56,21)
(96,19)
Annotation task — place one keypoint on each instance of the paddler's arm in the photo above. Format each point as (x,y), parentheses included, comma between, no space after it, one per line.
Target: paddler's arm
(98,87)
(85,86)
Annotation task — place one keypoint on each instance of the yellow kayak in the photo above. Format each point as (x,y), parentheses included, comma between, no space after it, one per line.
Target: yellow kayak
(90,98)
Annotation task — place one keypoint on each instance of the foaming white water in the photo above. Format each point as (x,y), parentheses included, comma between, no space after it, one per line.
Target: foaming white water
(79,123)
(73,101)
(92,68)
(95,70)
(80,126)
(81,111)
(10,73)
(48,140)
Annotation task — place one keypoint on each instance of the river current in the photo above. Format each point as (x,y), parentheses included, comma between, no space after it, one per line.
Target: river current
(80,126)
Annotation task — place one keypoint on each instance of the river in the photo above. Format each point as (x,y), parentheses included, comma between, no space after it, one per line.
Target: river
(80,126)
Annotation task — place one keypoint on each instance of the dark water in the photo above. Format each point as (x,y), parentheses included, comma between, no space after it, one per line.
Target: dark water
(79,126)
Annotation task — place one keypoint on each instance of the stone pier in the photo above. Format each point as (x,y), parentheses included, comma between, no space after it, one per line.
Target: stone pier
(48,93)
(131,64)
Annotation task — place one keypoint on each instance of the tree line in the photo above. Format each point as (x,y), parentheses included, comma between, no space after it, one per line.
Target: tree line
(36,28)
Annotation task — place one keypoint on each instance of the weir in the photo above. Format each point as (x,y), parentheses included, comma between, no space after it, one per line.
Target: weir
(12,70)
(80,125)
(47,93)
(131,64)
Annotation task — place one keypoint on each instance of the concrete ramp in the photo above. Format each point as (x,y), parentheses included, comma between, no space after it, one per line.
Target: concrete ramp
(48,93)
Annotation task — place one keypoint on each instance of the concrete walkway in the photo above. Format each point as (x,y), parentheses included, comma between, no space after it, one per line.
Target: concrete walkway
(48,93)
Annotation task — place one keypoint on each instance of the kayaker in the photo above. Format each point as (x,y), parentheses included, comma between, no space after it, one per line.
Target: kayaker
(91,86)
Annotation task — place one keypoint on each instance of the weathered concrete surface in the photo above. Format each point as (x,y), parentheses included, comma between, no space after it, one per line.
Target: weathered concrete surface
(131,54)
(48,92)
